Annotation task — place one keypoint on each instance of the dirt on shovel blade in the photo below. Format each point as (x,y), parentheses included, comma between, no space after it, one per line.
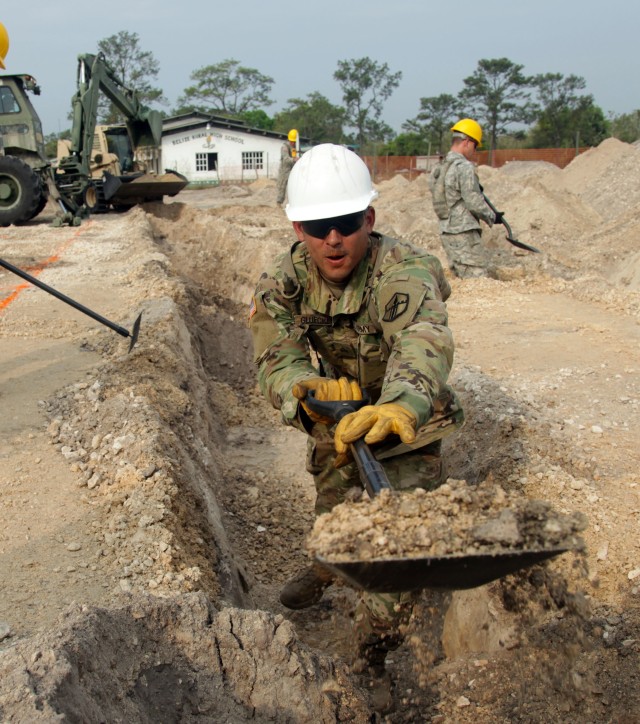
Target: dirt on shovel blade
(456,520)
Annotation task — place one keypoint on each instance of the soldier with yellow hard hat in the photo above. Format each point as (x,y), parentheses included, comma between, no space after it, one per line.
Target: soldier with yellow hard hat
(288,157)
(459,203)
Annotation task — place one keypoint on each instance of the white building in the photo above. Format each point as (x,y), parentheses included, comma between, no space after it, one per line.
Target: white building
(212,149)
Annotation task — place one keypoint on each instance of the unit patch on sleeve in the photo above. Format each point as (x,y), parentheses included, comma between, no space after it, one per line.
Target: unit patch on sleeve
(396,306)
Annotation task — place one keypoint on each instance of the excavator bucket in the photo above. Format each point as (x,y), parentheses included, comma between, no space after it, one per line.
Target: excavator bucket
(140,188)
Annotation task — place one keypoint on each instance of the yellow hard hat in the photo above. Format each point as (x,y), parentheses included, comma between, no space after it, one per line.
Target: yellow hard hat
(470,128)
(4,45)
(293,135)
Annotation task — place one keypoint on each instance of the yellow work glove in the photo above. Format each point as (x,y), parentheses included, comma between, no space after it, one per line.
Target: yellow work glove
(326,390)
(375,423)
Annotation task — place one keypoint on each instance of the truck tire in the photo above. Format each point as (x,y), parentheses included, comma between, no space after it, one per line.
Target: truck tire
(20,191)
(44,200)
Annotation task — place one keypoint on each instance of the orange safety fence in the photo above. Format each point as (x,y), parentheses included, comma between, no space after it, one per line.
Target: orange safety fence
(383,168)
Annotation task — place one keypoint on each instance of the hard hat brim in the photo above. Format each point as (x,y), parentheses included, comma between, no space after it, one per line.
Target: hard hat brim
(330,210)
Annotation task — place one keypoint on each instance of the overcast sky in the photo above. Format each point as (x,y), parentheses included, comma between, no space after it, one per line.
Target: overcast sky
(300,43)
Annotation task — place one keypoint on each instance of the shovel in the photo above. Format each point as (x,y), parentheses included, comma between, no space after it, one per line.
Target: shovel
(76,305)
(441,573)
(510,239)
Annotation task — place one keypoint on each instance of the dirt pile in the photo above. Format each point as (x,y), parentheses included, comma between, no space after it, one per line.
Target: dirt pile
(455,520)
(567,214)
(173,660)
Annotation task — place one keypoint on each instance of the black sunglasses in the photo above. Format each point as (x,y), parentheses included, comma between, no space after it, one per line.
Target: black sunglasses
(345,225)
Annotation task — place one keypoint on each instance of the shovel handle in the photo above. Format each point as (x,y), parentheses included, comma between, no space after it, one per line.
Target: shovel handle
(372,474)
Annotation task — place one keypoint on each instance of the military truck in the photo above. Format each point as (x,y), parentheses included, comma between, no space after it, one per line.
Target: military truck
(101,168)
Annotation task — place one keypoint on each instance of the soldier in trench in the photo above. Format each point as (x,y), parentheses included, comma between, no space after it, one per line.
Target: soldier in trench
(345,311)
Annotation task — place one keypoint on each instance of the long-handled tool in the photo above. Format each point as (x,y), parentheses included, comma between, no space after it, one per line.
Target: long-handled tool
(444,573)
(76,305)
(510,238)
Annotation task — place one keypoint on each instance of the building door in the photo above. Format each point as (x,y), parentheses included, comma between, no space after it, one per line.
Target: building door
(207,162)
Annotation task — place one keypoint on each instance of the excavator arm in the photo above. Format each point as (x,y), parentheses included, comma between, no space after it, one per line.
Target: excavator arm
(96,77)
(99,168)
(77,171)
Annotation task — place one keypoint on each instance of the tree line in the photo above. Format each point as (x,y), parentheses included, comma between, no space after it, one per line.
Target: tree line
(515,110)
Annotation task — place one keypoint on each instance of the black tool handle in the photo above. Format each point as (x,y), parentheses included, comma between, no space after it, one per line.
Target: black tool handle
(64,298)
(372,474)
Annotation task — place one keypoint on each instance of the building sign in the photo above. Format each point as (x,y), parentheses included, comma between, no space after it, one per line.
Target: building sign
(219,135)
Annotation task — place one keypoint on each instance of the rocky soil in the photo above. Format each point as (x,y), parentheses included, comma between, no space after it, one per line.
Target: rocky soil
(152,505)
(456,520)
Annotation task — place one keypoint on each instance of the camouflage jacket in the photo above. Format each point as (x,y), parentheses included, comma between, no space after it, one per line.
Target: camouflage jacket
(464,197)
(388,330)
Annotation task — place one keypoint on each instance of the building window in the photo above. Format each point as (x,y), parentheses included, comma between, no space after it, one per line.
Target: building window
(252,160)
(206,161)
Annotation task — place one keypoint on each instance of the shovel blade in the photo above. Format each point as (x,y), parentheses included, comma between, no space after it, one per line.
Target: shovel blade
(447,573)
(135,331)
(522,245)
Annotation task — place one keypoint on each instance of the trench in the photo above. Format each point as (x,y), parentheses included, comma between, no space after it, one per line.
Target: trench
(260,488)
(264,496)
(214,496)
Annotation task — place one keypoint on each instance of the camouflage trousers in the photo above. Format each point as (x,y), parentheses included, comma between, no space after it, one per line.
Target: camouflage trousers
(379,617)
(282,188)
(466,255)
(283,178)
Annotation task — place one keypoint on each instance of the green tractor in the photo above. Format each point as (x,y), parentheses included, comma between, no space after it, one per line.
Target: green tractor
(25,172)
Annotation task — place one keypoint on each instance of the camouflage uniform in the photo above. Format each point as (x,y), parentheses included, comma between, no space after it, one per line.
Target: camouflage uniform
(286,164)
(387,330)
(461,232)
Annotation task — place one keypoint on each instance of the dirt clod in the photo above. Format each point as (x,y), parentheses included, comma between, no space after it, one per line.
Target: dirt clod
(455,520)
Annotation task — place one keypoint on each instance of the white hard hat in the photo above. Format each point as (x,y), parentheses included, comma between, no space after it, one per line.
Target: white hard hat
(328,181)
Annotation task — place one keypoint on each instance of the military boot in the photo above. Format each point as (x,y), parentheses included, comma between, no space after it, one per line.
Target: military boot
(306,588)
